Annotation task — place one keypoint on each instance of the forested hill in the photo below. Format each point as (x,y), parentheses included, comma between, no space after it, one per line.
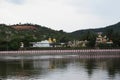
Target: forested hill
(33,31)
(14,34)
(104,30)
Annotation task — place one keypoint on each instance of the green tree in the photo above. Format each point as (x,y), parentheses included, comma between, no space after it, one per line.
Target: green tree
(3,45)
(64,39)
(91,37)
(109,33)
(116,38)
(27,40)
(14,44)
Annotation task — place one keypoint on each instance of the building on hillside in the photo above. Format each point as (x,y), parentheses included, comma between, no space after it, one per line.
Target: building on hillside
(77,43)
(54,40)
(44,43)
(103,39)
(110,42)
(50,40)
(99,39)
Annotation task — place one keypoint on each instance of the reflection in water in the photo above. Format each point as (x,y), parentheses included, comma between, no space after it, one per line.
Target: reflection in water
(113,68)
(61,69)
(90,65)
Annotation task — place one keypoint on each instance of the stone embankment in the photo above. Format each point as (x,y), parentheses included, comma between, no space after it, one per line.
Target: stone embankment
(61,52)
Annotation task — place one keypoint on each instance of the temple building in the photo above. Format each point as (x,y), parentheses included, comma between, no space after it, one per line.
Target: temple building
(103,39)
(44,43)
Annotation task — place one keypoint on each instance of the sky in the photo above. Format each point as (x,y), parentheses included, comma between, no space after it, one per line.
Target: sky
(67,15)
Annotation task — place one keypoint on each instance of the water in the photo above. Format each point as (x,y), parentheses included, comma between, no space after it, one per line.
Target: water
(57,68)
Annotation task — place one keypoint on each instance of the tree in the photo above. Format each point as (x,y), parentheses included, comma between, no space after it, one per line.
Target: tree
(91,37)
(3,45)
(27,39)
(114,35)
(109,33)
(116,38)
(64,39)
(14,44)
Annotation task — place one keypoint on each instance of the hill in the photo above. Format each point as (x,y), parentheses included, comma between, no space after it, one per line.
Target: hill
(79,33)
(112,32)
(12,35)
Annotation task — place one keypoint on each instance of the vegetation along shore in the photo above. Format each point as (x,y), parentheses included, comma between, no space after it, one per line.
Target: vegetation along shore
(36,37)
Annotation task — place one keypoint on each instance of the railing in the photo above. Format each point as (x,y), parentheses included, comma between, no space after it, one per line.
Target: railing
(83,52)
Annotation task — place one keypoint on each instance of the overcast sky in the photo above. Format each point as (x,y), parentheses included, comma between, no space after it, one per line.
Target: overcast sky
(67,15)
